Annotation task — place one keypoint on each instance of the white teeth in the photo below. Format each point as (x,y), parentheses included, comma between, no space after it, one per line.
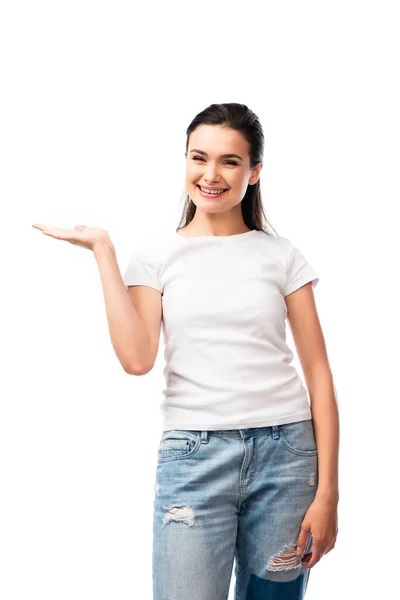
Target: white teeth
(215,192)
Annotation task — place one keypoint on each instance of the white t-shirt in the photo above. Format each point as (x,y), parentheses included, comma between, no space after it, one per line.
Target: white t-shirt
(227,364)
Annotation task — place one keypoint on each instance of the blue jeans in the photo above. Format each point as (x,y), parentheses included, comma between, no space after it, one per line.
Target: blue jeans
(233,494)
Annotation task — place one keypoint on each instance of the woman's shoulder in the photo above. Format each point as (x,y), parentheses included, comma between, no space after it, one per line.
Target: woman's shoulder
(276,243)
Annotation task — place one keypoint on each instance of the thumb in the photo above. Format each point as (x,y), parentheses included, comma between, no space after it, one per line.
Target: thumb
(302,539)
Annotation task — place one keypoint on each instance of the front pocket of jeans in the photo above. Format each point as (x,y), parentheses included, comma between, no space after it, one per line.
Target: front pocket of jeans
(177,444)
(299,437)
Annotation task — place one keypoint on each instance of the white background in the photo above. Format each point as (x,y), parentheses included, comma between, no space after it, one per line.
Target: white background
(95,101)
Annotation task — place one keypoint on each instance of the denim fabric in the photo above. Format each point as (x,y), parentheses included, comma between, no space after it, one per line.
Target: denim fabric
(233,495)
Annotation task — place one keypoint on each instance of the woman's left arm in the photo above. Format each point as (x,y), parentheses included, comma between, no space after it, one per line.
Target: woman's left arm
(310,346)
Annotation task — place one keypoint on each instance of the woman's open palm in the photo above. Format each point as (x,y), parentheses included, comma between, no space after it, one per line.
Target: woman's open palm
(86,237)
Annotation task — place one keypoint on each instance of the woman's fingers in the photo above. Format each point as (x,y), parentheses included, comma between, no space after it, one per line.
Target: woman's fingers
(81,235)
(56,232)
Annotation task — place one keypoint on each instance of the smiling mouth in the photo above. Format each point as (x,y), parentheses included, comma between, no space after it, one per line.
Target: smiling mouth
(211,194)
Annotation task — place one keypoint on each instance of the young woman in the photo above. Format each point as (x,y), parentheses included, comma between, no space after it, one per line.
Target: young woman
(247,468)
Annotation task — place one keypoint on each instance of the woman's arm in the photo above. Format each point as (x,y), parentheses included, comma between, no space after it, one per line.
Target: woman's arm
(129,336)
(310,345)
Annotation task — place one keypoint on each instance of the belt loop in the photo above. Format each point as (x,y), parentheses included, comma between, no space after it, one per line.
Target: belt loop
(204,437)
(275,432)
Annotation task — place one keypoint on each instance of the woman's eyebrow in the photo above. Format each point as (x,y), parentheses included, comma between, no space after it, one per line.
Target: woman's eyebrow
(222,155)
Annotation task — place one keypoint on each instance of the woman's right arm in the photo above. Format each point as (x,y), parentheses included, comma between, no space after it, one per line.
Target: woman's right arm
(134,343)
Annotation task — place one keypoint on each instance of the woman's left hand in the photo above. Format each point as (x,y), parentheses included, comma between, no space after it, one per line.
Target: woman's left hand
(321,521)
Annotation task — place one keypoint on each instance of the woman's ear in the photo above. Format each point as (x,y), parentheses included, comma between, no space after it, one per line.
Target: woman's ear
(256,174)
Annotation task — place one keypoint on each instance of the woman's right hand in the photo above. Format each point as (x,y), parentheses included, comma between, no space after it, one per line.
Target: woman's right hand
(86,237)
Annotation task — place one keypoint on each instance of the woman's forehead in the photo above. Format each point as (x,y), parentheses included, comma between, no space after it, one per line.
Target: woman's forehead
(215,139)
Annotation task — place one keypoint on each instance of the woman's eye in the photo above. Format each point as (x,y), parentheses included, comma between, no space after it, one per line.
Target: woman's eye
(230,162)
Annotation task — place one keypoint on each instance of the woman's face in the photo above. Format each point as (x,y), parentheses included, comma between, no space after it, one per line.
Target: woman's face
(210,164)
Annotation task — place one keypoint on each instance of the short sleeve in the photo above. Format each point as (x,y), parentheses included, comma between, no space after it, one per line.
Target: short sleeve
(142,269)
(298,269)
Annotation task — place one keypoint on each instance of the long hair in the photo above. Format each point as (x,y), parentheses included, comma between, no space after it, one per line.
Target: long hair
(243,119)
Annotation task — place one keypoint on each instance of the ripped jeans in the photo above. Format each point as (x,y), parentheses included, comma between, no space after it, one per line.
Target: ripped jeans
(228,495)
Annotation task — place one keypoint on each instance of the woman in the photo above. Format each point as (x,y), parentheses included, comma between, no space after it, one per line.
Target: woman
(247,468)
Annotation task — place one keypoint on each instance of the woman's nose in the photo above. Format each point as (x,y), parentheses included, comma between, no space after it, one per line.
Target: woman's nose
(211,174)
